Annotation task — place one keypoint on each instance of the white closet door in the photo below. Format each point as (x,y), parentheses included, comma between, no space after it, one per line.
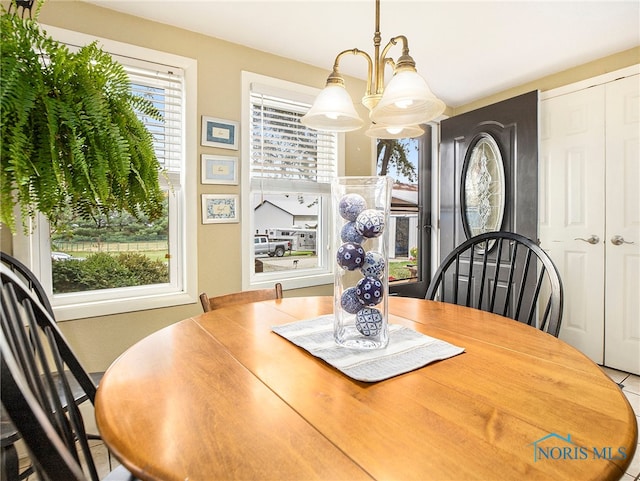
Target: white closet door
(622,293)
(572,210)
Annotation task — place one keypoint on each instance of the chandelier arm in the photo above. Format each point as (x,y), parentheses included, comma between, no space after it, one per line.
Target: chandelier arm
(353,51)
(405,44)
(388,46)
(404,60)
(384,60)
(391,43)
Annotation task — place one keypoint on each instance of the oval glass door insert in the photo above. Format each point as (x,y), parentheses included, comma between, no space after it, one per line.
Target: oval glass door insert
(483,193)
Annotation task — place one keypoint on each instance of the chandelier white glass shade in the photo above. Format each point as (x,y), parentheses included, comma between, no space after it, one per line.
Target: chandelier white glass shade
(395,111)
(333,110)
(407,100)
(382,131)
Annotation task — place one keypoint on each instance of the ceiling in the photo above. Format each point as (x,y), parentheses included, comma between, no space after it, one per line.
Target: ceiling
(466,50)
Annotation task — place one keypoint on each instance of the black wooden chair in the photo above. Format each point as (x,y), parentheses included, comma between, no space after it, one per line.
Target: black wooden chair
(8,433)
(28,278)
(504,273)
(39,402)
(31,281)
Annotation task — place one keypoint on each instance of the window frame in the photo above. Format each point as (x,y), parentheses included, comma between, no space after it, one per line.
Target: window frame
(293,278)
(35,249)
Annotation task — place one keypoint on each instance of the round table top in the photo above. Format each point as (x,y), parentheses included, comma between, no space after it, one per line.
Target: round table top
(221,396)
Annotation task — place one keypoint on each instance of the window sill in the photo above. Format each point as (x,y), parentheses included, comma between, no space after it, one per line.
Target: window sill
(298,282)
(94,308)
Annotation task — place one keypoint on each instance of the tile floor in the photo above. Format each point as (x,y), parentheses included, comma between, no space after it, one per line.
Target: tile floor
(629,383)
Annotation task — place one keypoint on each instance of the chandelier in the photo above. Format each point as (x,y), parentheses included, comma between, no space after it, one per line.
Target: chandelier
(395,112)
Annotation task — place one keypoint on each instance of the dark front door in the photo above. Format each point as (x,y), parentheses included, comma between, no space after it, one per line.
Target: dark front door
(469,189)
(489,175)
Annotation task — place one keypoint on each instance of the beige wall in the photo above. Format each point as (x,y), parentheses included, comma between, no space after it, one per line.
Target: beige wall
(99,340)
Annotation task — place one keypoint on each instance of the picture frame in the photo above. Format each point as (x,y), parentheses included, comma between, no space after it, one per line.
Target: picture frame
(219,169)
(220,208)
(220,133)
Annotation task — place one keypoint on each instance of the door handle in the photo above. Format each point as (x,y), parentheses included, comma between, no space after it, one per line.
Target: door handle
(594,239)
(618,240)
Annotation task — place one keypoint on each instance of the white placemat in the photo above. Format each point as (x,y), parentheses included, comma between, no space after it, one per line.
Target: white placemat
(407,349)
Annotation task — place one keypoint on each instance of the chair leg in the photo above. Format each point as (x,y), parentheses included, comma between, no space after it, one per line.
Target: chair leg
(10,468)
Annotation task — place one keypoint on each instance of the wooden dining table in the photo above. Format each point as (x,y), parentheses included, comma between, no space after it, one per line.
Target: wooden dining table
(221,396)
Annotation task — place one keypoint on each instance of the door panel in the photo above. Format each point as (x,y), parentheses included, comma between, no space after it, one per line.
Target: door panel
(572,208)
(622,313)
(513,124)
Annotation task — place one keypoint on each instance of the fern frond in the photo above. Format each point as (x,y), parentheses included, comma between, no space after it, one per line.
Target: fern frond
(69,131)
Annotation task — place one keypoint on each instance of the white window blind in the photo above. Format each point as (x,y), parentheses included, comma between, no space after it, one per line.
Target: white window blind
(284,150)
(164,88)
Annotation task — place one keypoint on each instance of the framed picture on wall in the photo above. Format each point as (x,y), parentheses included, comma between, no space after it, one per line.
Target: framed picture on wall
(220,133)
(220,208)
(219,169)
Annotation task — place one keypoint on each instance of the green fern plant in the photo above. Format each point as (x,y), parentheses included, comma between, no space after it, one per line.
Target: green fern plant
(70,135)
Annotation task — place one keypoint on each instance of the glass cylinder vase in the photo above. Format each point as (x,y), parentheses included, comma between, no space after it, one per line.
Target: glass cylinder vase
(361,207)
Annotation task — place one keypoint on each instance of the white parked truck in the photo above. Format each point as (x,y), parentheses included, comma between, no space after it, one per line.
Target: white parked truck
(262,245)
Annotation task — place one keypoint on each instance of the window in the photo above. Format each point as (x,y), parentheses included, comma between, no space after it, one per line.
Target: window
(155,252)
(286,184)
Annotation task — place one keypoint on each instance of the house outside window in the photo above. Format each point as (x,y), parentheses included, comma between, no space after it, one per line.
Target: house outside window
(148,262)
(286,185)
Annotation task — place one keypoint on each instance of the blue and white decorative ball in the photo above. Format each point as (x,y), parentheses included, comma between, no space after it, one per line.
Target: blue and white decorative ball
(350,256)
(373,264)
(370,223)
(351,205)
(350,302)
(348,233)
(369,291)
(369,321)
